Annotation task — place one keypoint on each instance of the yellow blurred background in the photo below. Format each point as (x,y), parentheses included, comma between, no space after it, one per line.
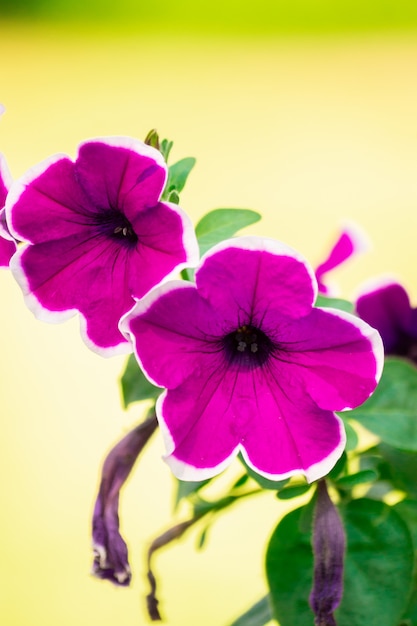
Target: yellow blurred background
(310,126)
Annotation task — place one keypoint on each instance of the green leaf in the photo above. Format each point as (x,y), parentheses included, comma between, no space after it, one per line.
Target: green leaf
(259,614)
(135,386)
(165,148)
(221,224)
(188,488)
(335,303)
(407,509)
(391,412)
(177,176)
(378,567)
(352,438)
(364,476)
(293,491)
(399,467)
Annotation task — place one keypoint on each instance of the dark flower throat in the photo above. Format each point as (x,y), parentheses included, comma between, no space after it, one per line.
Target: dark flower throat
(248,346)
(115,225)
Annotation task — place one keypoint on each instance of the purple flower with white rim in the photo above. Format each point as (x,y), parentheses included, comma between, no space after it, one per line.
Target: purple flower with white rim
(7,243)
(385,305)
(250,365)
(97,235)
(350,242)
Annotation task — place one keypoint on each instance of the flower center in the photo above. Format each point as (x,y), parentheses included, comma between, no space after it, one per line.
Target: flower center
(247,345)
(115,225)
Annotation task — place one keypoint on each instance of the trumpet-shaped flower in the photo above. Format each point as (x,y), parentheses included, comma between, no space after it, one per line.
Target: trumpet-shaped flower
(7,243)
(250,365)
(97,235)
(385,305)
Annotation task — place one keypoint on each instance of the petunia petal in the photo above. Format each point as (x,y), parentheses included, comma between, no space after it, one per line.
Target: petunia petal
(121,173)
(47,203)
(209,418)
(385,305)
(166,245)
(350,242)
(336,357)
(173,327)
(265,279)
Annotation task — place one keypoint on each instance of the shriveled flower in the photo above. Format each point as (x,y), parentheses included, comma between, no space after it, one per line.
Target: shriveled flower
(97,235)
(7,243)
(350,242)
(385,305)
(250,365)
(329,544)
(110,550)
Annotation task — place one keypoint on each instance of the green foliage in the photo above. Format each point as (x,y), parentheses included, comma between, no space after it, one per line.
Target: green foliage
(177,177)
(221,224)
(293,491)
(185,489)
(334,303)
(391,413)
(359,478)
(378,567)
(134,385)
(259,614)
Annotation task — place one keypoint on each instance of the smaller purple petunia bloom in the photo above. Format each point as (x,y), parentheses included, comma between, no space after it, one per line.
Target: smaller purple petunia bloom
(110,550)
(97,235)
(350,242)
(250,365)
(7,243)
(385,305)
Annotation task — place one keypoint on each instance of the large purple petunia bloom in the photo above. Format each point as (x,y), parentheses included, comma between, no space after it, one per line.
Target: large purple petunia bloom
(386,306)
(97,235)
(7,243)
(250,365)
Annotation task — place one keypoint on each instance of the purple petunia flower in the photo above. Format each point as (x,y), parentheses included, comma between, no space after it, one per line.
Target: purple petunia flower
(7,243)
(97,235)
(351,241)
(250,365)
(385,305)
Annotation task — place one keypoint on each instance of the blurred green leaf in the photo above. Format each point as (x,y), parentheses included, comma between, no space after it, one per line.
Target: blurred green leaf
(391,412)
(335,303)
(293,491)
(165,148)
(177,176)
(352,438)
(399,467)
(259,614)
(221,224)
(378,567)
(350,481)
(188,488)
(339,468)
(135,386)
(407,509)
